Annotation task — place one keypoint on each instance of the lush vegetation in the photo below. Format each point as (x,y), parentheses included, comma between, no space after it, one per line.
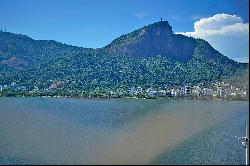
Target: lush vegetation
(81,71)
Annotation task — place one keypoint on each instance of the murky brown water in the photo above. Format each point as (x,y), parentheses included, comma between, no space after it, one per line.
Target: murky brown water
(115,131)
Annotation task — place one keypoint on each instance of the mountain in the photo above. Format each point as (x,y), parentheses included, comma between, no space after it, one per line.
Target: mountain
(20,51)
(154,39)
(159,39)
(152,56)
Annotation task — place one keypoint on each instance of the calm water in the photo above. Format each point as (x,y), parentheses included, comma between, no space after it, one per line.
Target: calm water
(121,131)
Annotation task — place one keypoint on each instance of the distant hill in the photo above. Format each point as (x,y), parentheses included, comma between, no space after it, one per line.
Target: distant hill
(152,56)
(20,51)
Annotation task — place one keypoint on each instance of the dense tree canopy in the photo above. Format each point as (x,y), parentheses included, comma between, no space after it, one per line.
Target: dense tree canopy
(45,64)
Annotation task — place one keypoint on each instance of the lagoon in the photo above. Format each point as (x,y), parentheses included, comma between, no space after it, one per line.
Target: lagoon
(121,131)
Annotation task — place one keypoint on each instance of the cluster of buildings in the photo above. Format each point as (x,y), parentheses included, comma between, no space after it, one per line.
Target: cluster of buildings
(219,90)
(14,86)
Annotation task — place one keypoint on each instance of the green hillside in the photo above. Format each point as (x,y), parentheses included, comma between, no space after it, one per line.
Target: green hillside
(152,56)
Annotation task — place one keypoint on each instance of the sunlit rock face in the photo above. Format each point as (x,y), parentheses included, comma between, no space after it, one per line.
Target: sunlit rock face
(152,40)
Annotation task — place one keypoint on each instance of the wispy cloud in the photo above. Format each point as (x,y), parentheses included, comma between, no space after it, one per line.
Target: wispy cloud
(226,33)
(196,17)
(141,14)
(242,59)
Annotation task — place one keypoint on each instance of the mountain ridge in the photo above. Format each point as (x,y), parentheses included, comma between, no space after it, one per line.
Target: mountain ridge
(152,56)
(113,46)
(31,51)
(156,39)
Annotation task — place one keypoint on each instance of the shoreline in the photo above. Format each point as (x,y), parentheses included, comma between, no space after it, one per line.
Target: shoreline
(134,98)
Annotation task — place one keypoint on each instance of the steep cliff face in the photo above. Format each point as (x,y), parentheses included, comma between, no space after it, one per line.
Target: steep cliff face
(154,39)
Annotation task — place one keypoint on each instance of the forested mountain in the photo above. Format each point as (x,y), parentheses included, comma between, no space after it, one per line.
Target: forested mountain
(152,56)
(20,51)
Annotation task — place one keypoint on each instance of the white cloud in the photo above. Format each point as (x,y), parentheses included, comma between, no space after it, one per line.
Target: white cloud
(226,33)
(141,14)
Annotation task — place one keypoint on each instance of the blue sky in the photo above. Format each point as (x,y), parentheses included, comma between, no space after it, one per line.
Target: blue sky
(95,23)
